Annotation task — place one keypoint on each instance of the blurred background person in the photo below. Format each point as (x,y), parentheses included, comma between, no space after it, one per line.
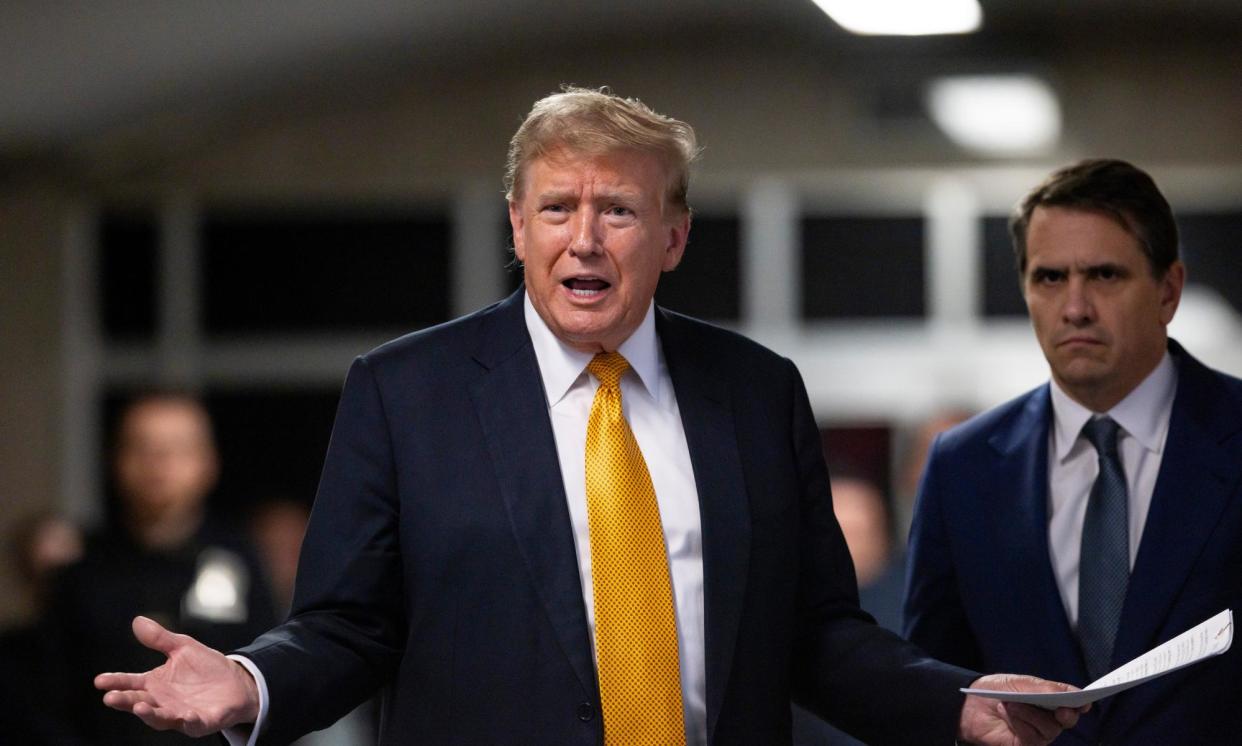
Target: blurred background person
(277,527)
(862,510)
(916,442)
(165,557)
(43,544)
(31,711)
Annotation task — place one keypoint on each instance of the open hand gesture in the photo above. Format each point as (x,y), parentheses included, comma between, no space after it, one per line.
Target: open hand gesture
(197,691)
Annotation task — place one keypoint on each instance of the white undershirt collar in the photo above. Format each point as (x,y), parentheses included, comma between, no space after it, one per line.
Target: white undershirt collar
(560,365)
(1143,414)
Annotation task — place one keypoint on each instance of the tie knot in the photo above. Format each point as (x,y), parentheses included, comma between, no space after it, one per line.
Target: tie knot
(1102,432)
(608,367)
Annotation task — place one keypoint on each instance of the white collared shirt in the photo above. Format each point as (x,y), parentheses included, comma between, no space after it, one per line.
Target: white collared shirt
(650,407)
(1073,465)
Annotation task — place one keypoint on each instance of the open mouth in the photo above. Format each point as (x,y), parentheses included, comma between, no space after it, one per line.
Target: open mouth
(586,287)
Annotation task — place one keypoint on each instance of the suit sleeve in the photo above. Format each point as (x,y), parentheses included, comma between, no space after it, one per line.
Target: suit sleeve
(861,677)
(935,618)
(345,631)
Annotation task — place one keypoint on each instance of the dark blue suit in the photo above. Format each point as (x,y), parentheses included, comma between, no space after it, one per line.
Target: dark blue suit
(440,560)
(981,590)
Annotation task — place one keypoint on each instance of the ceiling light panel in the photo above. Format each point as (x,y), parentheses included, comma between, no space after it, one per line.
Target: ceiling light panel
(905,17)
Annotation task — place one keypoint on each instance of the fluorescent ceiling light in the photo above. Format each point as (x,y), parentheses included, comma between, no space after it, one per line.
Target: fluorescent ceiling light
(996,114)
(905,17)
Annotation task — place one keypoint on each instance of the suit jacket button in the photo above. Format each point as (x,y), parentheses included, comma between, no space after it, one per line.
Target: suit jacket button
(585,711)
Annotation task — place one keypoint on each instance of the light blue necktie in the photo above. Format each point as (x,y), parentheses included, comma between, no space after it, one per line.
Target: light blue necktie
(1104,564)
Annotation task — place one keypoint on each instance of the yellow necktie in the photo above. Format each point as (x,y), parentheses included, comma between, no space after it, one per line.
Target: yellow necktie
(635,629)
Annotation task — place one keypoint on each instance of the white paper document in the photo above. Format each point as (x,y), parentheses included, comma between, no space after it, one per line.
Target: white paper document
(1208,639)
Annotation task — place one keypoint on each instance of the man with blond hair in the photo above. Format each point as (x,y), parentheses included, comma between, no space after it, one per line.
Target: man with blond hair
(576,518)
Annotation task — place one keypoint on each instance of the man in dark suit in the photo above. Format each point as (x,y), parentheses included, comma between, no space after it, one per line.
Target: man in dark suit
(1081,524)
(683,587)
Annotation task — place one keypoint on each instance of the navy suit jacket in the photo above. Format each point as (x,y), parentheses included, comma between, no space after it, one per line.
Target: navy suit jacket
(440,560)
(981,590)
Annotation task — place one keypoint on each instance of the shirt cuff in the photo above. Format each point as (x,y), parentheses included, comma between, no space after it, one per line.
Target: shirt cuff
(239,735)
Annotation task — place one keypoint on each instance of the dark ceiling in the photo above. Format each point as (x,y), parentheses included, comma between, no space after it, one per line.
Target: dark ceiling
(74,71)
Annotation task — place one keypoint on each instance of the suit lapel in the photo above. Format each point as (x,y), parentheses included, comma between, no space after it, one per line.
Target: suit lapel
(707,416)
(511,406)
(1023,536)
(1196,479)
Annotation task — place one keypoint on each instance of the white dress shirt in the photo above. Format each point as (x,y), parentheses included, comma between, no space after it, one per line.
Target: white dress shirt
(1073,465)
(651,409)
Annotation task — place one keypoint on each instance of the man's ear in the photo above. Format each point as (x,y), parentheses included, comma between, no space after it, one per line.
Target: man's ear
(517,221)
(678,234)
(1171,290)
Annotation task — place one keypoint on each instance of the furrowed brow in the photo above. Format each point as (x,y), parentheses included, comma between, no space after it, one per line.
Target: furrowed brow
(624,196)
(1114,268)
(558,195)
(1040,270)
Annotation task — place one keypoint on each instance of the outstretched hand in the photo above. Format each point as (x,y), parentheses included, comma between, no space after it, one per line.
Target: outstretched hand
(197,691)
(990,722)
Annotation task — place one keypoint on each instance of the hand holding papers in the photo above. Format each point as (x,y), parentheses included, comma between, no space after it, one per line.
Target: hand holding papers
(1208,639)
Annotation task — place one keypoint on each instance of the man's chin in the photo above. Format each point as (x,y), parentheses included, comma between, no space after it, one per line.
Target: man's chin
(590,330)
(584,338)
(1080,361)
(1082,376)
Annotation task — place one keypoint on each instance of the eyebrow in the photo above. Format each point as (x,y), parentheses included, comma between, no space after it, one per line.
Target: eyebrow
(601,195)
(1114,267)
(1084,269)
(555,195)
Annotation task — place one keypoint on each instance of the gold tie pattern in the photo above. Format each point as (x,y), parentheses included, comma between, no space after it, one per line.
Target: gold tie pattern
(635,628)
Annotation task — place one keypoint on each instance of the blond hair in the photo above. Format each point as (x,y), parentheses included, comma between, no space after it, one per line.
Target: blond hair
(593,122)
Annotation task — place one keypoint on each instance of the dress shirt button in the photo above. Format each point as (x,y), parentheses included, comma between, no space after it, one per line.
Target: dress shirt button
(585,711)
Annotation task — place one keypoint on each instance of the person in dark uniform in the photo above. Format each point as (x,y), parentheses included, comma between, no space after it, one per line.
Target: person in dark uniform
(165,559)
